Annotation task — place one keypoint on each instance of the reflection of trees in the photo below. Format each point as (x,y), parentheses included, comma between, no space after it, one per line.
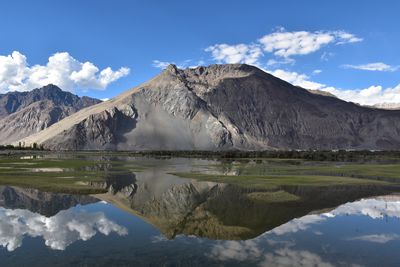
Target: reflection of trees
(118,182)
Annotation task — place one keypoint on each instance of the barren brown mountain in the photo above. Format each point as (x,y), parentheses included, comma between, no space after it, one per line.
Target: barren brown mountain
(222,107)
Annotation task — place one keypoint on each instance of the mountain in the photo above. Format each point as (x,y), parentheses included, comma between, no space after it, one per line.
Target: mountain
(232,106)
(25,113)
(320,92)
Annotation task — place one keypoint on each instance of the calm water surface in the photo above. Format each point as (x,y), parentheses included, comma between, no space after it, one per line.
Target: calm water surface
(152,218)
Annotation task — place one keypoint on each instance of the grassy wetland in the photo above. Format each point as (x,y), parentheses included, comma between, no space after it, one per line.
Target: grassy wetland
(77,172)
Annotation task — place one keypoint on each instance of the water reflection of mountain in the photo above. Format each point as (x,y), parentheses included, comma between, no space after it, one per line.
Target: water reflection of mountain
(45,203)
(215,210)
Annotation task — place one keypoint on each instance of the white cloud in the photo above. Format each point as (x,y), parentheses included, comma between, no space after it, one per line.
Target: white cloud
(345,37)
(185,64)
(377,238)
(289,257)
(285,44)
(161,64)
(233,250)
(240,53)
(375,208)
(299,224)
(282,44)
(61,69)
(325,56)
(368,96)
(297,79)
(377,66)
(315,72)
(373,95)
(284,61)
(58,231)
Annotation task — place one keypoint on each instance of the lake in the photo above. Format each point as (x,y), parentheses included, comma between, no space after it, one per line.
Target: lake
(146,214)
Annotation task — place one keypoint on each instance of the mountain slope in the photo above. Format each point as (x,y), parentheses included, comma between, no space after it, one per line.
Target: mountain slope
(25,113)
(230,106)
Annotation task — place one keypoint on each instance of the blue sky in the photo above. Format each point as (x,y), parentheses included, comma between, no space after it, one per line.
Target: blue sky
(346,47)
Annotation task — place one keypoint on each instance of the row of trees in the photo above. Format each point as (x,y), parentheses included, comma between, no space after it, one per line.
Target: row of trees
(315,155)
(22,146)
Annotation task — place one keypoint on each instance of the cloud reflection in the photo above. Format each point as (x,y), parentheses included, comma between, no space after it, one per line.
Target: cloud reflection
(288,257)
(267,250)
(58,231)
(236,250)
(376,208)
(377,238)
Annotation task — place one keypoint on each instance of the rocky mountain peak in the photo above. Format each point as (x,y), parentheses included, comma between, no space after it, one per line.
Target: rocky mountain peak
(215,70)
(50,88)
(172,68)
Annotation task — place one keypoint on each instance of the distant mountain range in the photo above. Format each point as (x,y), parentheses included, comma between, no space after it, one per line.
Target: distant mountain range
(26,113)
(220,107)
(389,106)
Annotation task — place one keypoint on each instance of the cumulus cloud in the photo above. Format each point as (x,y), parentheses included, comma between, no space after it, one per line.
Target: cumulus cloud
(285,44)
(282,44)
(372,95)
(58,231)
(61,69)
(297,79)
(240,53)
(377,66)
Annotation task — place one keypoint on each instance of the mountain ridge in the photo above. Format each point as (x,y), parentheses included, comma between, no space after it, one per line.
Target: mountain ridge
(219,107)
(25,113)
